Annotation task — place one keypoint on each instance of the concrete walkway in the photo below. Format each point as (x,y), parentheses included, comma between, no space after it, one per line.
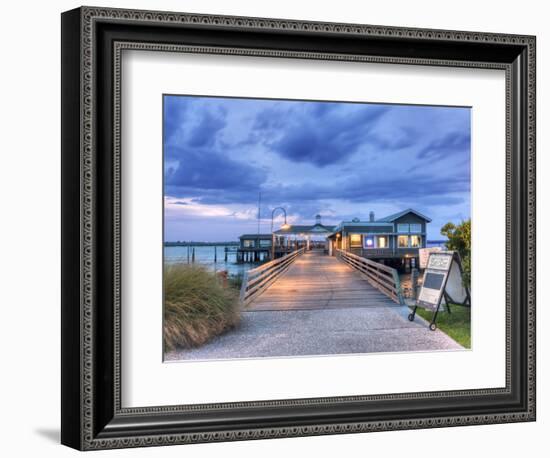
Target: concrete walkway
(321,332)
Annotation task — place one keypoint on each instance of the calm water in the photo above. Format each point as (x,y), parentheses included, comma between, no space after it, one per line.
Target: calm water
(205,256)
(434,243)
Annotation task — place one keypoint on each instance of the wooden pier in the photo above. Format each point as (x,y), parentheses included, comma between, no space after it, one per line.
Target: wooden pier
(312,280)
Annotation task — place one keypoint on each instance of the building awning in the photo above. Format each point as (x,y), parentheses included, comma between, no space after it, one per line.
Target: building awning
(316,229)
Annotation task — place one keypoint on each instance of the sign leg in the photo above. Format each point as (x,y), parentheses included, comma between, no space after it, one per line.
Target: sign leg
(448,300)
(413,313)
(433,326)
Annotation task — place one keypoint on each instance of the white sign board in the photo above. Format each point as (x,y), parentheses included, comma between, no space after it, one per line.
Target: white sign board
(442,274)
(455,288)
(424,254)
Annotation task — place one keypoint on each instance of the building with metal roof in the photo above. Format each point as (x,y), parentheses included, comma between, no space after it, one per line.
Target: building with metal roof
(311,230)
(397,237)
(394,239)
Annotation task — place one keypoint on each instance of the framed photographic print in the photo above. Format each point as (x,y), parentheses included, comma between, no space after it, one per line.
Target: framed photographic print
(279,228)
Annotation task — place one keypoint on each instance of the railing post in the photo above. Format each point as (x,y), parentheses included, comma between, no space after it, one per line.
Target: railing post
(244,286)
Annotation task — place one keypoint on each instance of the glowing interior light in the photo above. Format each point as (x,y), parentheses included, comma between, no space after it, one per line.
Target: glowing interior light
(369,242)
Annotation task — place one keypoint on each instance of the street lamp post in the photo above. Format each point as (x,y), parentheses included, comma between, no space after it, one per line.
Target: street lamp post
(284,226)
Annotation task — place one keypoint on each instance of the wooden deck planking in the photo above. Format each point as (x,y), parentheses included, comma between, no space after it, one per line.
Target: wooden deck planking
(317,281)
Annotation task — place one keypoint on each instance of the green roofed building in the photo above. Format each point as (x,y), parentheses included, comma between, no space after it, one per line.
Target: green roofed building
(395,239)
(308,236)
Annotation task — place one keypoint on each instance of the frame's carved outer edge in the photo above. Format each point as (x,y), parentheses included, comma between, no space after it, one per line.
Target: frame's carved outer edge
(71,230)
(88,16)
(531,234)
(87,209)
(241,22)
(299,431)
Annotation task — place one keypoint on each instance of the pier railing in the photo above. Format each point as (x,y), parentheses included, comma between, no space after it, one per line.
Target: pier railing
(257,280)
(384,278)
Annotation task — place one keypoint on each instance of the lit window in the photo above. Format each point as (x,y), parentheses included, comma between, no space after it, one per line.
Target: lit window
(416,228)
(265,243)
(403,241)
(369,242)
(355,240)
(382,242)
(415,241)
(402,228)
(248,243)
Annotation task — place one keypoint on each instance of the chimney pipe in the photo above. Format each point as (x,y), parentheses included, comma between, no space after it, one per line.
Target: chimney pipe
(317,219)
(371,216)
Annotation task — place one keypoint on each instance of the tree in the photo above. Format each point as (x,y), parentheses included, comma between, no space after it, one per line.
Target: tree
(459,239)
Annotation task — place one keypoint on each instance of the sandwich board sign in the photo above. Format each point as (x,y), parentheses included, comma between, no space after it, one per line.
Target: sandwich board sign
(442,281)
(424,255)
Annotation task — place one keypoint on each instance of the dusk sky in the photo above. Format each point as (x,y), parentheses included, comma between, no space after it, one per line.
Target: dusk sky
(339,160)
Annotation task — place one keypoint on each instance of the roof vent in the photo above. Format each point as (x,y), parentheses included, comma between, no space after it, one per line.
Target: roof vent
(355,220)
(371,216)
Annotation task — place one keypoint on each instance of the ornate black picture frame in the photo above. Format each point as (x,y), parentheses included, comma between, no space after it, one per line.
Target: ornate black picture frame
(92,42)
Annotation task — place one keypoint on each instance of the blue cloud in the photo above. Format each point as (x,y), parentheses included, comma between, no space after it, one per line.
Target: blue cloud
(203,170)
(204,133)
(320,133)
(190,123)
(316,156)
(450,143)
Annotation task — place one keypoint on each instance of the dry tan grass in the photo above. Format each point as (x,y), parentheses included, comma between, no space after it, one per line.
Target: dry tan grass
(197,306)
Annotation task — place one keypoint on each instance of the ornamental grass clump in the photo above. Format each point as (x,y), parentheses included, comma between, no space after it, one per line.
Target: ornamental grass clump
(197,306)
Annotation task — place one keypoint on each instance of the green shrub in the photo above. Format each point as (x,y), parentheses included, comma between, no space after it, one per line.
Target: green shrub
(197,306)
(460,241)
